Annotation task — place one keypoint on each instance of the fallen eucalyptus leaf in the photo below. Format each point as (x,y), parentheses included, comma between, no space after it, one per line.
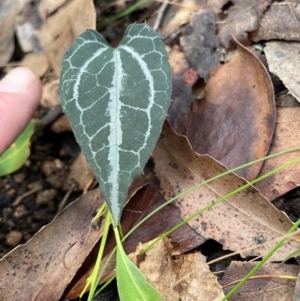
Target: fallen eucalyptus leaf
(244,220)
(42,268)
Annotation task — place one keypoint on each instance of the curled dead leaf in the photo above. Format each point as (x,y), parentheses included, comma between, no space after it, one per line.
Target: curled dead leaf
(183,277)
(234,122)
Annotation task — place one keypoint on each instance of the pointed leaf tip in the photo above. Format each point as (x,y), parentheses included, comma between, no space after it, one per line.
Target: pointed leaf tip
(116,100)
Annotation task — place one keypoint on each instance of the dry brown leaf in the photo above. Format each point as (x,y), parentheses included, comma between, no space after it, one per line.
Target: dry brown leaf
(183,277)
(51,96)
(48,7)
(37,63)
(234,122)
(242,17)
(61,29)
(201,46)
(27,25)
(61,124)
(47,263)
(288,28)
(245,220)
(283,61)
(9,11)
(287,135)
(80,174)
(264,288)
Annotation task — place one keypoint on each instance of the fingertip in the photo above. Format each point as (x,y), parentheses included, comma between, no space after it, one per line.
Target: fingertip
(19,80)
(20,94)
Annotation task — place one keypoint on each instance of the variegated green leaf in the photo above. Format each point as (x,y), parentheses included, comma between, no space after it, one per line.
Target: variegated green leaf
(116,100)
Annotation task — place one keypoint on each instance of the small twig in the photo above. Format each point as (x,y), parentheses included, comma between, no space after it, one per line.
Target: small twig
(20,198)
(134,211)
(87,186)
(50,116)
(160,15)
(62,204)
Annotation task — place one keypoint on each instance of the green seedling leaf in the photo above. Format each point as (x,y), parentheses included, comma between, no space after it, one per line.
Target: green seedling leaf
(15,156)
(116,100)
(132,284)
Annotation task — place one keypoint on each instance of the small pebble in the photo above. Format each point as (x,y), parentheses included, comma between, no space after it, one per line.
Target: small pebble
(46,196)
(58,164)
(20,211)
(19,177)
(35,186)
(13,238)
(48,168)
(56,180)
(5,199)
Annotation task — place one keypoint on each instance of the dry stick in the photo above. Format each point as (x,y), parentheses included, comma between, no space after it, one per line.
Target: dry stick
(191,7)
(62,203)
(51,116)
(160,15)
(20,198)
(88,186)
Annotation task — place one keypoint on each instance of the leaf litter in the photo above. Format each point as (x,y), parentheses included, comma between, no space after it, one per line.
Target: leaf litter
(268,281)
(286,135)
(140,205)
(282,58)
(48,262)
(178,277)
(251,219)
(288,12)
(243,104)
(241,17)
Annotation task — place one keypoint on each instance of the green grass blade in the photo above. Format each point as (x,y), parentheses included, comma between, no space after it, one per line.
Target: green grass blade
(221,199)
(122,14)
(14,157)
(132,284)
(92,280)
(185,192)
(261,263)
